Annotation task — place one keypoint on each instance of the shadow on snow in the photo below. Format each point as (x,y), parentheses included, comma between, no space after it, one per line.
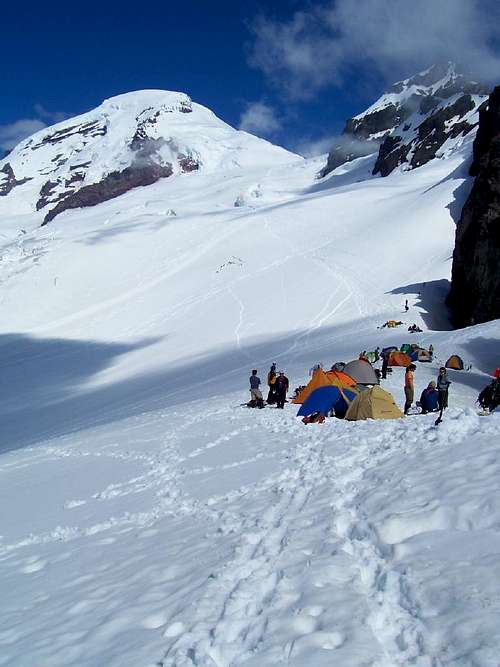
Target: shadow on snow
(47,391)
(431,297)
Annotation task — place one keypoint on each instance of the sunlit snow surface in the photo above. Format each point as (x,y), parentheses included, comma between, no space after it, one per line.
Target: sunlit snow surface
(147,519)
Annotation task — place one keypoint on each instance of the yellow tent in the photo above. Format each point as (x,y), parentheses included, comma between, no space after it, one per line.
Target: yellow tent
(321,378)
(374,403)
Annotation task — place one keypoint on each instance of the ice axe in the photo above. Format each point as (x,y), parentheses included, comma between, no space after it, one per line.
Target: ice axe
(440,418)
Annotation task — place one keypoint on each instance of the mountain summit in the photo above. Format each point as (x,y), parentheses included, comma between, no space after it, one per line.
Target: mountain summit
(417,120)
(130,140)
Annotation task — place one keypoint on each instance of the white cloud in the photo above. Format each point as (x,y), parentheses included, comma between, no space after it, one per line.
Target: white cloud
(50,116)
(314,147)
(320,47)
(309,147)
(12,134)
(260,118)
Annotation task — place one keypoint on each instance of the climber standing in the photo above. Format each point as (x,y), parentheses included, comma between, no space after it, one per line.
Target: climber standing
(409,387)
(443,385)
(281,388)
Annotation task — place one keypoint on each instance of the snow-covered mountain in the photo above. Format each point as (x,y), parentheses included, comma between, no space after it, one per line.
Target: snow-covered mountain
(148,517)
(129,141)
(418,119)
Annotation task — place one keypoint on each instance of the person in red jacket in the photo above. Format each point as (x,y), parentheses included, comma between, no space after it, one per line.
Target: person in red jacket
(280,389)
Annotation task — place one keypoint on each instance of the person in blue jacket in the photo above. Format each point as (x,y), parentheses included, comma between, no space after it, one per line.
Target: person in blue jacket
(429,400)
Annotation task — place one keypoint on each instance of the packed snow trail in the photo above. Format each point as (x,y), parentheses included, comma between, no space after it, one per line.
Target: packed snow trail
(277,560)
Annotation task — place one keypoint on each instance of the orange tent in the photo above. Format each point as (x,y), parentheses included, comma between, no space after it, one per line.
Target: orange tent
(339,378)
(399,359)
(321,378)
(455,362)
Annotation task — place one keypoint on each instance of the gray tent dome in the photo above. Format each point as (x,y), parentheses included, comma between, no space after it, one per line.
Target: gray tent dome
(361,371)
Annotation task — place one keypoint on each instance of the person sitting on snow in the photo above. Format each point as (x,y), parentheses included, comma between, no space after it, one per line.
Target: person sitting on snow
(429,398)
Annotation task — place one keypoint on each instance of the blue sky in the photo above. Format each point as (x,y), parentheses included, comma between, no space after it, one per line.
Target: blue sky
(292,71)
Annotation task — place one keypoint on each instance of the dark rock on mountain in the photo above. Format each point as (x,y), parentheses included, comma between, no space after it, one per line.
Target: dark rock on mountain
(47,195)
(489,127)
(187,164)
(475,284)
(428,103)
(52,192)
(431,134)
(346,150)
(391,153)
(377,121)
(91,129)
(9,181)
(114,184)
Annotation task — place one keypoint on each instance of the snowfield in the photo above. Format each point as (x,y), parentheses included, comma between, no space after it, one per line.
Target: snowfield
(149,520)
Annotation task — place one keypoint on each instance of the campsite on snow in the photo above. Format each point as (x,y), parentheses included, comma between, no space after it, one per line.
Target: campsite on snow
(226,434)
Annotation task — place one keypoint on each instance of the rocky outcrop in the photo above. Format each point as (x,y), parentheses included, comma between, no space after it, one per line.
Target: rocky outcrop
(412,121)
(429,136)
(346,150)
(90,130)
(9,180)
(475,284)
(114,184)
(391,154)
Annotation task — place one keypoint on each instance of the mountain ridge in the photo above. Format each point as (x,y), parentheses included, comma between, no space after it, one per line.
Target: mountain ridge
(130,140)
(413,122)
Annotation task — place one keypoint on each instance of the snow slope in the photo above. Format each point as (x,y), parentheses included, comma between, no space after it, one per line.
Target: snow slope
(149,519)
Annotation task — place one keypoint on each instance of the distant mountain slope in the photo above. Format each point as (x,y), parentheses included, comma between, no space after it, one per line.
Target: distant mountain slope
(417,120)
(130,140)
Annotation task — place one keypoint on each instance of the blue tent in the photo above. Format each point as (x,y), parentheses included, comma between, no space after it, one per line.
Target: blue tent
(324,399)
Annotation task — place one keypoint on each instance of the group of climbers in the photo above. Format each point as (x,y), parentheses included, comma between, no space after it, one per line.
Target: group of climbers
(434,397)
(278,387)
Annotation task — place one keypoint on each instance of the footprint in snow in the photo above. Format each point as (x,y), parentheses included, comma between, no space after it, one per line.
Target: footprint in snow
(33,565)
(70,504)
(174,630)
(155,621)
